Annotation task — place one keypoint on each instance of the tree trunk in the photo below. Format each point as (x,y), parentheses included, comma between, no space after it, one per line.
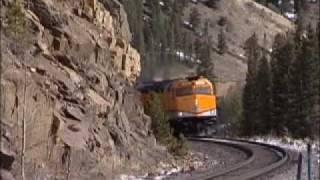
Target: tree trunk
(24,126)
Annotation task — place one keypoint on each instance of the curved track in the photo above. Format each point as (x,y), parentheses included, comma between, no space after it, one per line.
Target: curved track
(261,159)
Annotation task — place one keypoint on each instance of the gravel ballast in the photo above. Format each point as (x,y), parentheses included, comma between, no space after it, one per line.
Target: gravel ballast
(217,157)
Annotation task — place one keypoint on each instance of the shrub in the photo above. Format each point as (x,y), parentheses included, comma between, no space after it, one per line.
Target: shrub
(215,4)
(161,127)
(16,19)
(230,112)
(222,42)
(178,146)
(195,18)
(160,123)
(222,21)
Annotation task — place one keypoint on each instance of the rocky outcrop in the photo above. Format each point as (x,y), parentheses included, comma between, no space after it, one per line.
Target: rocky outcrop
(70,79)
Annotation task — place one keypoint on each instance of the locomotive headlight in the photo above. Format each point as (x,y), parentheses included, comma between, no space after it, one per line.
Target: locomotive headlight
(213,112)
(180,114)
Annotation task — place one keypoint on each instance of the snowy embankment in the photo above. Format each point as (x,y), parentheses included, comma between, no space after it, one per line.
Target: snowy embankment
(289,143)
(298,146)
(161,175)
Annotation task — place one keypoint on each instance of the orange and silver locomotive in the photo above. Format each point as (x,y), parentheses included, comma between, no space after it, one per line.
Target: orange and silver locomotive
(190,102)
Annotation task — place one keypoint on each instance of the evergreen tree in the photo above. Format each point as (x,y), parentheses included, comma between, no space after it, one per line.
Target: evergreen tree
(206,68)
(187,47)
(160,120)
(171,42)
(16,19)
(274,2)
(176,19)
(138,34)
(263,2)
(297,6)
(156,20)
(283,53)
(285,5)
(213,4)
(264,95)
(250,112)
(195,18)
(203,51)
(303,87)
(317,121)
(222,43)
(134,9)
(161,127)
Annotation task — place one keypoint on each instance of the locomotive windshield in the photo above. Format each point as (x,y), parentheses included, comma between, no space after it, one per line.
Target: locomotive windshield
(184,91)
(189,91)
(203,90)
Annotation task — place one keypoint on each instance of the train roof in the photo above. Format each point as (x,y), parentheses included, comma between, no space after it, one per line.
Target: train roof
(160,86)
(153,86)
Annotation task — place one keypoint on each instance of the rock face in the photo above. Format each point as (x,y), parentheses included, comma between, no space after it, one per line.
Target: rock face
(70,79)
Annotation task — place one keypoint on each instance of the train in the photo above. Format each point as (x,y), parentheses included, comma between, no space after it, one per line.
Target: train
(190,102)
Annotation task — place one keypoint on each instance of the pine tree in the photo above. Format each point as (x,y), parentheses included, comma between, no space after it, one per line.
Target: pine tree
(213,4)
(222,43)
(297,6)
(160,120)
(138,35)
(156,20)
(171,43)
(175,21)
(206,68)
(134,9)
(285,4)
(283,53)
(317,121)
(195,18)
(303,87)
(250,112)
(187,47)
(16,26)
(16,19)
(263,2)
(274,2)
(203,51)
(264,95)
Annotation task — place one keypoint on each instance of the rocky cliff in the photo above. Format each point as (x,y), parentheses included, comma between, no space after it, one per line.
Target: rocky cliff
(69,78)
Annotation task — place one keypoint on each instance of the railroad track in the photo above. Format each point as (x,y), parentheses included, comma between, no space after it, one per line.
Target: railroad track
(261,159)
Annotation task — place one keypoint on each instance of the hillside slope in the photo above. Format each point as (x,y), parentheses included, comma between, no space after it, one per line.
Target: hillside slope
(242,19)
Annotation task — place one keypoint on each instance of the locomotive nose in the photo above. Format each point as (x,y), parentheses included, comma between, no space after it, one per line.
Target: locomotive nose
(196,107)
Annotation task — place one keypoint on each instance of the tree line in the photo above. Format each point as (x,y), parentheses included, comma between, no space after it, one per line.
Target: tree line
(281,95)
(162,37)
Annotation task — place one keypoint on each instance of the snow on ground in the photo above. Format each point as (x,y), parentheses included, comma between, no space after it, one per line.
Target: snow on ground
(164,170)
(163,174)
(288,143)
(291,144)
(299,146)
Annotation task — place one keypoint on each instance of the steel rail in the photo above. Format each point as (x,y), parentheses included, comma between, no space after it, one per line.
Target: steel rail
(281,154)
